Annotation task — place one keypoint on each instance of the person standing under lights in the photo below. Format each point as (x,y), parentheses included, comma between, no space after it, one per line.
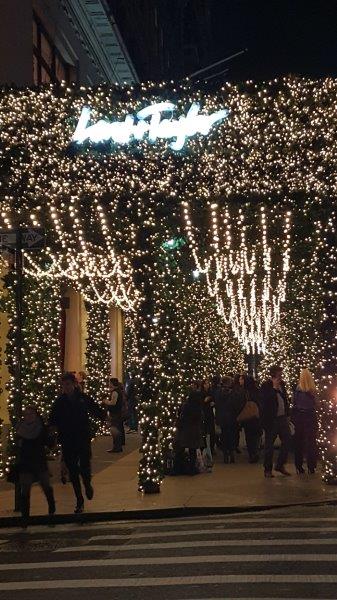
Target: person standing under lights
(275,421)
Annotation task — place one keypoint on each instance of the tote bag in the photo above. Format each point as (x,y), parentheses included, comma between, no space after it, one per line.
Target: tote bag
(250,411)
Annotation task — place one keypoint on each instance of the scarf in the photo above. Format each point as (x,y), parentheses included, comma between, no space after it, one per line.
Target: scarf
(30,431)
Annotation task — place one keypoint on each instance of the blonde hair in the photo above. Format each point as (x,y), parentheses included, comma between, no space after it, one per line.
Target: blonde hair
(306,382)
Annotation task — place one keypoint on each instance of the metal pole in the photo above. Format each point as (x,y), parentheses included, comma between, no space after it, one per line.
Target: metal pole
(218,62)
(18,345)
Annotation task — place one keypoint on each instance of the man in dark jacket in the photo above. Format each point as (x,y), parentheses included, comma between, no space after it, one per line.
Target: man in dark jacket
(275,422)
(70,415)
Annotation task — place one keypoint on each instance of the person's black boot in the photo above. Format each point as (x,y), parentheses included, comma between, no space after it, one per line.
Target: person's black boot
(89,490)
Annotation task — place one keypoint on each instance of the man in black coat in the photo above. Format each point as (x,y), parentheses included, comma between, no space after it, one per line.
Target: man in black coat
(70,415)
(275,421)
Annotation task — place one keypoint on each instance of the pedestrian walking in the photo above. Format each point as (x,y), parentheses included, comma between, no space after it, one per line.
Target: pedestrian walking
(32,442)
(229,402)
(70,415)
(305,421)
(275,421)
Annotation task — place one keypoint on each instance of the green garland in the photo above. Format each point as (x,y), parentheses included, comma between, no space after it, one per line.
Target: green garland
(40,369)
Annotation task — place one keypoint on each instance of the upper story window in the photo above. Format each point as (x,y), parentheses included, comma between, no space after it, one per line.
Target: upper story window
(48,63)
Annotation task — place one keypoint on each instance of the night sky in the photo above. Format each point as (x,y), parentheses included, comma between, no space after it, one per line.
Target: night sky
(282,36)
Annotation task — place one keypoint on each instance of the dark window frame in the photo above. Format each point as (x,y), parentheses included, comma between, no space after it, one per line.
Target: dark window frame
(56,54)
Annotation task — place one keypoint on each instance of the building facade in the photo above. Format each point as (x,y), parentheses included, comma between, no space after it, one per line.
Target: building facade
(44,41)
(166,39)
(49,41)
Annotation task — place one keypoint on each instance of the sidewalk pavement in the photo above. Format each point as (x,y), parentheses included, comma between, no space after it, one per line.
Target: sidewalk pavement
(240,486)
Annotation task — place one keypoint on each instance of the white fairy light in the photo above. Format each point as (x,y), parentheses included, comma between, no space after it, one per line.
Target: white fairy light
(240,283)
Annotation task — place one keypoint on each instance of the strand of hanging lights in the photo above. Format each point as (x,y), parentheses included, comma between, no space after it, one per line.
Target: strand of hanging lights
(239,280)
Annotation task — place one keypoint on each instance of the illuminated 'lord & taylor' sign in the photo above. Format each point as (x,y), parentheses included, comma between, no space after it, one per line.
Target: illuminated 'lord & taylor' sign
(148,122)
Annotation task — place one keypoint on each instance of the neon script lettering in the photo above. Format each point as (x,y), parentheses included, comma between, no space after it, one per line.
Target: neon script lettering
(148,121)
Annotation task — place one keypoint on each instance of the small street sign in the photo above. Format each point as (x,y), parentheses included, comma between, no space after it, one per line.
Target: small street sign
(8,240)
(31,239)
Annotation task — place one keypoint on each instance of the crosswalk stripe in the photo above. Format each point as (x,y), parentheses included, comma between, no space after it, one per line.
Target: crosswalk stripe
(168,523)
(205,544)
(165,581)
(123,536)
(171,560)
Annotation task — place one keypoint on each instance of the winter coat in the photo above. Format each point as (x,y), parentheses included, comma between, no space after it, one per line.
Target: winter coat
(269,403)
(189,425)
(228,404)
(207,409)
(71,417)
(32,454)
(304,402)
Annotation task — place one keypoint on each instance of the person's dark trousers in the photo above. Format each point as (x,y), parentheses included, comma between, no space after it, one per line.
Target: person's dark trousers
(193,459)
(133,419)
(252,434)
(210,430)
(181,465)
(279,427)
(228,437)
(26,481)
(305,440)
(77,459)
(118,433)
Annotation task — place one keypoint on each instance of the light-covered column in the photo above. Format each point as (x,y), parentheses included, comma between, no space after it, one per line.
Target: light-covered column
(4,374)
(116,342)
(76,333)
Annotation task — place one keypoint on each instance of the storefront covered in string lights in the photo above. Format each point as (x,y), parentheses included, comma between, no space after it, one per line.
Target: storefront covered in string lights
(208,220)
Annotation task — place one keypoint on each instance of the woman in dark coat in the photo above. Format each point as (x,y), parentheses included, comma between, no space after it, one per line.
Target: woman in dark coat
(32,440)
(252,427)
(189,431)
(305,421)
(229,402)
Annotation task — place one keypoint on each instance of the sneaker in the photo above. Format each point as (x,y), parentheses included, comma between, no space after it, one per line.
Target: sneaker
(79,508)
(283,471)
(268,475)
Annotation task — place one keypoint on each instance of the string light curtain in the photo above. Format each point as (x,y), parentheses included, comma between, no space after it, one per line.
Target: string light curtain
(278,141)
(246,278)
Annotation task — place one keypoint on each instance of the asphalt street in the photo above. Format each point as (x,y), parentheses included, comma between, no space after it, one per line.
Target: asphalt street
(290,553)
